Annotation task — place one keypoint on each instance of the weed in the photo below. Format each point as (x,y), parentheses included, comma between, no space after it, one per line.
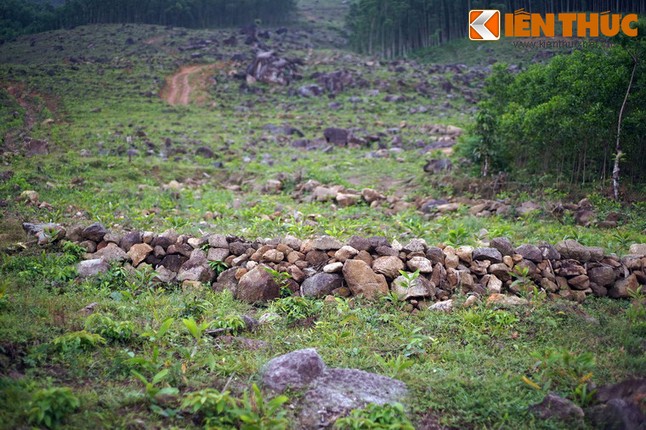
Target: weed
(196,330)
(394,366)
(214,406)
(296,308)
(257,413)
(374,416)
(218,267)
(157,335)
(153,390)
(281,279)
(77,341)
(50,406)
(563,371)
(234,323)
(195,308)
(109,329)
(4,298)
(457,236)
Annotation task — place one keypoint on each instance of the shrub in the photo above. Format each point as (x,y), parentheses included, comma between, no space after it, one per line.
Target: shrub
(116,331)
(50,406)
(388,416)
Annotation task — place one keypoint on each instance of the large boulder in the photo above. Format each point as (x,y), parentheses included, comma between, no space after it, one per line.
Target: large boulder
(295,370)
(173,262)
(339,391)
(602,275)
(130,239)
(110,253)
(330,393)
(257,285)
(92,267)
(492,254)
(503,245)
(388,266)
(362,280)
(94,232)
(420,287)
(530,252)
(227,281)
(336,136)
(623,288)
(139,252)
(638,249)
(321,284)
(572,249)
(554,406)
(196,268)
(326,243)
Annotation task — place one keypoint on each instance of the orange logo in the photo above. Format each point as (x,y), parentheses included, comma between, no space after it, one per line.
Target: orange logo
(484,25)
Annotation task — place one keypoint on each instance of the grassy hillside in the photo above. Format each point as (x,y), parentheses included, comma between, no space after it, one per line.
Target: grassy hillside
(120,154)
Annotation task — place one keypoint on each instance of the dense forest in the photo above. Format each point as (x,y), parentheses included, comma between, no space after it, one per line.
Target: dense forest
(569,119)
(395,28)
(20,16)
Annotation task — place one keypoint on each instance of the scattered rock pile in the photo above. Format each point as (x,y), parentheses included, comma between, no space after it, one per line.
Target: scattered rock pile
(267,67)
(362,266)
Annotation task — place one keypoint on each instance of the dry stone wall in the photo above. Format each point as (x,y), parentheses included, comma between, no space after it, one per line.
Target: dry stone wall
(363,266)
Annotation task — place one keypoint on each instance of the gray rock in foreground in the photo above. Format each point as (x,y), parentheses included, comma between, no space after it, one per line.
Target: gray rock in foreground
(293,371)
(330,393)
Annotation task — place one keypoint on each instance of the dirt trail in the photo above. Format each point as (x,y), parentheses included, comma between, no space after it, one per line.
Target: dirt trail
(179,87)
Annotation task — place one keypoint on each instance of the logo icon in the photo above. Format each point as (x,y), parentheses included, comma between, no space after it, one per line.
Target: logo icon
(484,25)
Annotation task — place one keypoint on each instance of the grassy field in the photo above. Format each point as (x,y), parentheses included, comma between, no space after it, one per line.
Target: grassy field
(115,149)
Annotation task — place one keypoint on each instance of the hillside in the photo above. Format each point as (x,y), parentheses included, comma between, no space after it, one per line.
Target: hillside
(255,134)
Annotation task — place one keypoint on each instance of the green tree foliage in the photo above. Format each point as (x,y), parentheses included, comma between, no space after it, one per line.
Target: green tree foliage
(561,118)
(396,27)
(21,16)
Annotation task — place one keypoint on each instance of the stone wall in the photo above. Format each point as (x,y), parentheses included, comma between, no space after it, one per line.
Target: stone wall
(363,266)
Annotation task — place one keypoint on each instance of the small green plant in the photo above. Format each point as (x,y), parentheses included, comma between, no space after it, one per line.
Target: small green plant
(281,279)
(156,335)
(636,312)
(49,406)
(194,308)
(213,406)
(218,267)
(77,341)
(73,249)
(256,413)
(394,366)
(235,323)
(457,236)
(115,331)
(563,371)
(374,416)
(4,298)
(196,330)
(153,388)
(415,344)
(522,281)
(296,308)
(409,277)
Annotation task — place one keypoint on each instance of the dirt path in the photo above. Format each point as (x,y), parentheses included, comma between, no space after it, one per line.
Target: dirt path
(190,84)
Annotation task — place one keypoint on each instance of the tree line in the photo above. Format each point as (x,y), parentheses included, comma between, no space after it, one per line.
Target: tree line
(581,118)
(20,16)
(392,28)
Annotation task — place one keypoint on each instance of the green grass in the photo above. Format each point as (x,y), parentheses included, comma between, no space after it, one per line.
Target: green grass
(466,367)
